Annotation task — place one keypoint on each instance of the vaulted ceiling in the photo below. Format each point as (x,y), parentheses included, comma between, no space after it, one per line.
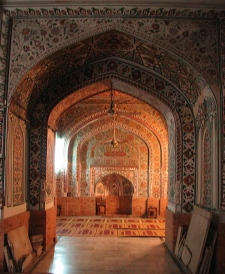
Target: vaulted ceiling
(130,113)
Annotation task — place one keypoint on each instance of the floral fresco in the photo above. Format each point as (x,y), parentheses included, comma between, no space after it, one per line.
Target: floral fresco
(170,57)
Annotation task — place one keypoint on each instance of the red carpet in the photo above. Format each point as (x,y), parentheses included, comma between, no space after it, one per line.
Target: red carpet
(109,227)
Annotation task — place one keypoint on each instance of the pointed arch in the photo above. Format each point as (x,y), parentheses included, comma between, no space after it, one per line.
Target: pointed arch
(153,80)
(177,103)
(114,184)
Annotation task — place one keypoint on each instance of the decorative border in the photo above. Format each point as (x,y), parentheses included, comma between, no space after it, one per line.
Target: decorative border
(117,11)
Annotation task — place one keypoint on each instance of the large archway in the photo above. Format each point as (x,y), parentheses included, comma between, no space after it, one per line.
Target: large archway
(187,126)
(142,74)
(62,81)
(141,154)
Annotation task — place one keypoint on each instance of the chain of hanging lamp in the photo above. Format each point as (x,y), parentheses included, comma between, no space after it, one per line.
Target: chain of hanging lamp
(112,113)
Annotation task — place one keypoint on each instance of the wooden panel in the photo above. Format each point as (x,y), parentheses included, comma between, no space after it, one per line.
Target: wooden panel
(62,201)
(180,240)
(88,206)
(112,204)
(154,202)
(219,259)
(9,224)
(208,252)
(74,206)
(50,236)
(125,205)
(139,207)
(9,260)
(163,203)
(196,238)
(19,243)
(43,222)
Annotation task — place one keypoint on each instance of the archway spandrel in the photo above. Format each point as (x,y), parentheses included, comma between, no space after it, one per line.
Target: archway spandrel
(59,33)
(41,75)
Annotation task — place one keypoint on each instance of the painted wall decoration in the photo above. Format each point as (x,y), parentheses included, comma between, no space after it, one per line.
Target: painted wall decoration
(125,180)
(114,185)
(49,35)
(16,154)
(207,173)
(50,161)
(207,122)
(162,66)
(18,166)
(131,152)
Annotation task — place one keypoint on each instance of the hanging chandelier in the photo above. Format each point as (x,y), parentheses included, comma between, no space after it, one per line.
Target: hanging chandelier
(114,142)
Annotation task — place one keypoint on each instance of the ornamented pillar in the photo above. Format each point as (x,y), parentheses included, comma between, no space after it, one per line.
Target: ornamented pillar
(4,60)
(222,45)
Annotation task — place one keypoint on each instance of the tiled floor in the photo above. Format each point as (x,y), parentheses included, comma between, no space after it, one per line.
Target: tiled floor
(72,255)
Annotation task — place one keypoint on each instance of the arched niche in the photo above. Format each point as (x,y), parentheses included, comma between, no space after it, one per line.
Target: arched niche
(114,185)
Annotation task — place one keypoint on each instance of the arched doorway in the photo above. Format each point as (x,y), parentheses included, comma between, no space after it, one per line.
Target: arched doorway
(153,86)
(144,82)
(117,192)
(141,155)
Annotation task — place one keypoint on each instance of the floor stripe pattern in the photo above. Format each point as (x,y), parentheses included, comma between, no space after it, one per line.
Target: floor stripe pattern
(110,227)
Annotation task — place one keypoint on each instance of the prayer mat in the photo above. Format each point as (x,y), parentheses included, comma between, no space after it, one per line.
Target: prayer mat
(150,233)
(152,226)
(86,232)
(62,224)
(128,233)
(65,232)
(106,233)
(93,220)
(128,220)
(94,225)
(114,225)
(85,220)
(111,227)
(133,225)
(77,225)
(112,220)
(148,221)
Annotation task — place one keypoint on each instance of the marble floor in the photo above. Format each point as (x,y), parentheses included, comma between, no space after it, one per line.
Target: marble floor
(74,255)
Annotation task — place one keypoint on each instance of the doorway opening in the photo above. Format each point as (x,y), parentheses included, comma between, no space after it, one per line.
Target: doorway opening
(129,177)
(116,192)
